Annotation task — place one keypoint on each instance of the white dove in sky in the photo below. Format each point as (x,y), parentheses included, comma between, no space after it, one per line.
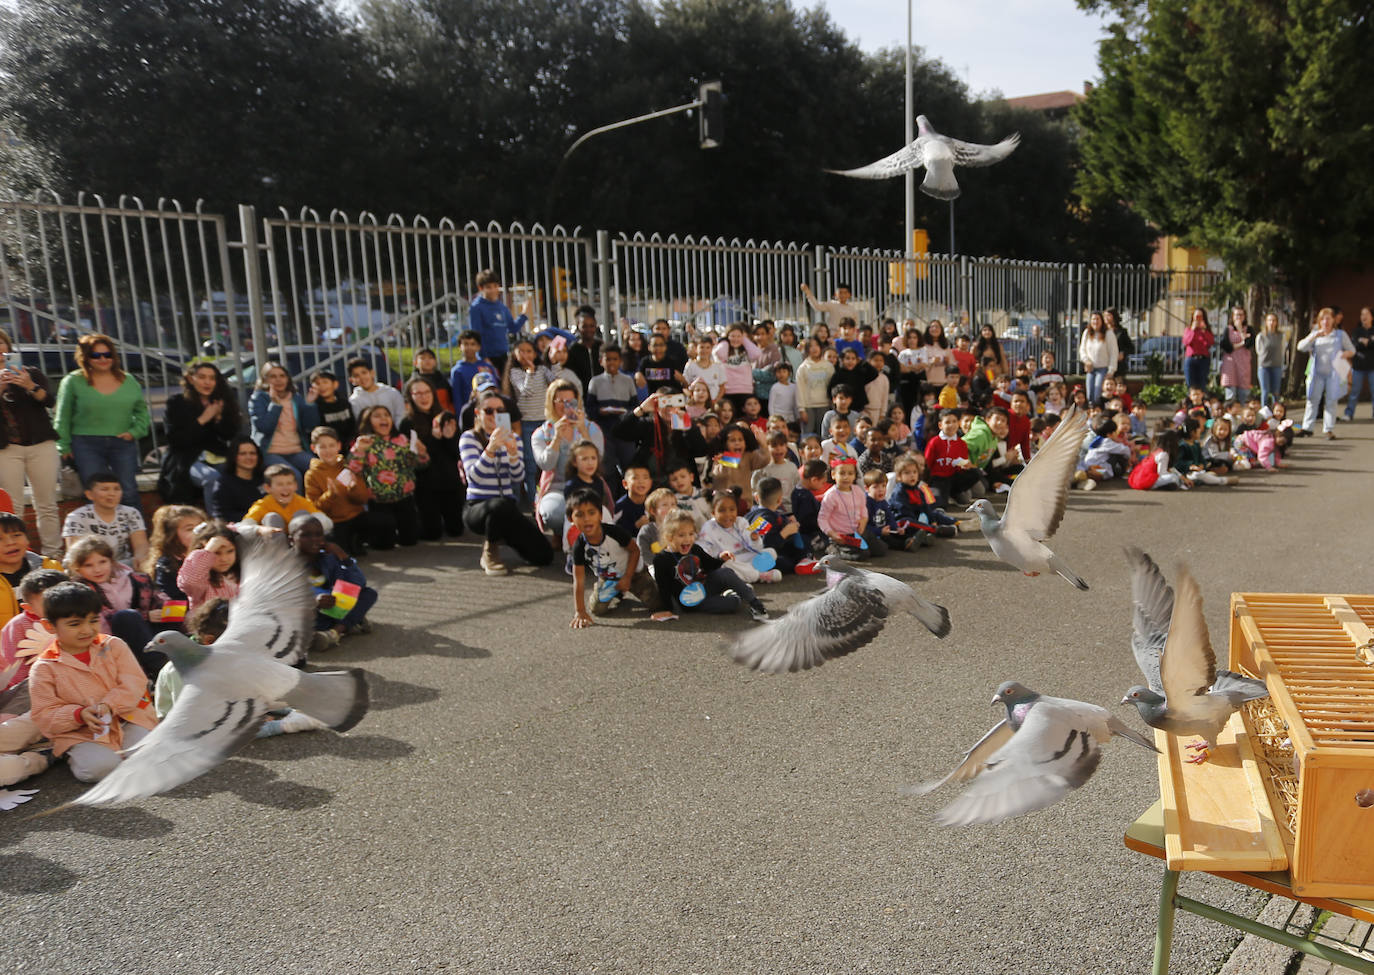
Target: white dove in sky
(939,154)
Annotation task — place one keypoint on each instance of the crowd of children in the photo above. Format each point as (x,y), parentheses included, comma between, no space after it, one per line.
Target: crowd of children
(679,476)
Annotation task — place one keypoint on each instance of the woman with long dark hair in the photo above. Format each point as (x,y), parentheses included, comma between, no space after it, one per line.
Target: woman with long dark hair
(438,488)
(28,448)
(1097,351)
(992,363)
(239,485)
(199,423)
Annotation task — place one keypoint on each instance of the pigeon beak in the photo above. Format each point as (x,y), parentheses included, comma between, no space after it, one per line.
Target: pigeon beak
(997,699)
(1126,699)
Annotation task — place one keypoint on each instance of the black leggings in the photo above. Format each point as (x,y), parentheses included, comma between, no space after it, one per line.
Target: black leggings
(441,512)
(392,523)
(715,583)
(500,520)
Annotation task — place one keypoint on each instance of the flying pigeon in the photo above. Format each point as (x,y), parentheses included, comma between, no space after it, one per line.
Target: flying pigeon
(849,614)
(1035,506)
(1044,748)
(1186,695)
(939,154)
(231,684)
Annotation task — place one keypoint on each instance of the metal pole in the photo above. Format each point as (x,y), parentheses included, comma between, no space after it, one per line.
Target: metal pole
(909,272)
(603,263)
(252,280)
(951,226)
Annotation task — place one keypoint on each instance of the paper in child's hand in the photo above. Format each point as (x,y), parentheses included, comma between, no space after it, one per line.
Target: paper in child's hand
(346,478)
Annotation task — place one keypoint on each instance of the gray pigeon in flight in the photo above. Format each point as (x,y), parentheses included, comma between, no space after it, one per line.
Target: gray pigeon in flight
(1035,506)
(231,685)
(1186,695)
(1043,749)
(849,614)
(939,154)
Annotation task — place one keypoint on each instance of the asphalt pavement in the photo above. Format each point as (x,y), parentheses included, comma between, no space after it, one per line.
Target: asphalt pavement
(528,798)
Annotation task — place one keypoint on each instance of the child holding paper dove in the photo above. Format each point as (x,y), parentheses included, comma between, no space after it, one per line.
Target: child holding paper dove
(344,597)
(387,460)
(337,491)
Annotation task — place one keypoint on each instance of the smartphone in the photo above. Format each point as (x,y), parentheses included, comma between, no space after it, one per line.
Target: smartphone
(503,421)
(559,343)
(570,408)
(14,361)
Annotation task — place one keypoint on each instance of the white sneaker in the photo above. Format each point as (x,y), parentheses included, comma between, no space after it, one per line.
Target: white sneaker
(772,575)
(300,721)
(1088,485)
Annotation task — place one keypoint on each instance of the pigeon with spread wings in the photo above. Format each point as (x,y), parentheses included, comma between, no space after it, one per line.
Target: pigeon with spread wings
(1186,694)
(1035,506)
(231,685)
(849,614)
(939,154)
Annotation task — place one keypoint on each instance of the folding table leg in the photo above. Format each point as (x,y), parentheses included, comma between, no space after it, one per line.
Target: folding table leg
(1164,928)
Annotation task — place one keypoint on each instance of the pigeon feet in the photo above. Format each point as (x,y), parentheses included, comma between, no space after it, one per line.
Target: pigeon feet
(1031,574)
(1200,753)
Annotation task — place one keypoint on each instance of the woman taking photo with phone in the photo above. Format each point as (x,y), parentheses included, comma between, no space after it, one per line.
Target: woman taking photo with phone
(495,470)
(28,446)
(101,416)
(565,424)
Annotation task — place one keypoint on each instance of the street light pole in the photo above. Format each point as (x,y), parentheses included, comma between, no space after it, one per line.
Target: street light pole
(910,179)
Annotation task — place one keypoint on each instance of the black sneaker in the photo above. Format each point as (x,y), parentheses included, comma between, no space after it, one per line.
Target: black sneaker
(759,614)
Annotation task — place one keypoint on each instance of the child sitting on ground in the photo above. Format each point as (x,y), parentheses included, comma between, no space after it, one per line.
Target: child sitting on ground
(881,519)
(842,402)
(337,492)
(727,532)
(1216,446)
(691,580)
(838,443)
(1158,471)
(913,505)
(21,640)
(129,602)
(780,467)
(650,537)
(735,456)
(174,529)
(88,692)
(638,482)
(328,565)
(281,499)
(206,625)
(689,497)
(844,515)
(806,504)
(387,460)
(947,461)
(779,531)
(427,368)
(609,555)
(211,568)
(119,524)
(16,562)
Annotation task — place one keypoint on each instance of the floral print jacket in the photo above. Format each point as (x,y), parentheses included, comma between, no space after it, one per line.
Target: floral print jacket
(388,466)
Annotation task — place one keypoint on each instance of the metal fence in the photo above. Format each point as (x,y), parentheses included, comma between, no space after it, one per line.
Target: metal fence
(171,284)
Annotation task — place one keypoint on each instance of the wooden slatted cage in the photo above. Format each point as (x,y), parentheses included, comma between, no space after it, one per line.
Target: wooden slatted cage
(1314,735)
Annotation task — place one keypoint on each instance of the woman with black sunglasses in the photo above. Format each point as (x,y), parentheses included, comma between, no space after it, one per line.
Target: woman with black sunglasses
(101,416)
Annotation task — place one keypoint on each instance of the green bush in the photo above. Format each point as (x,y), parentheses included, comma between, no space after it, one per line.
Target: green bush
(1153,393)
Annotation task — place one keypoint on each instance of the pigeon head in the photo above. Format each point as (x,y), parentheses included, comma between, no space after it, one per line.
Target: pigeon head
(184,652)
(923,126)
(983,508)
(1011,693)
(1145,700)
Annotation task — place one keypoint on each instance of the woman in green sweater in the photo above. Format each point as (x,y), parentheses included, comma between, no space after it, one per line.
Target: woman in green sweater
(101,414)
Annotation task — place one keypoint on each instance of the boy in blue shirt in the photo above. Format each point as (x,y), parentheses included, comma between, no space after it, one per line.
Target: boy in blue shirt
(466,369)
(489,317)
(778,531)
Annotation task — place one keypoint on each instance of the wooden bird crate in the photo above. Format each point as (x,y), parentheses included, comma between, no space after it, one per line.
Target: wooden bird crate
(1314,735)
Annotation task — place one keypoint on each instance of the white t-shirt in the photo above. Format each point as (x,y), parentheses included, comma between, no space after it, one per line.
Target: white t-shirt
(127,520)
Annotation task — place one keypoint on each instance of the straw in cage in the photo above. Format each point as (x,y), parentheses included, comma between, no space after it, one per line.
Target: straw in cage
(1274,750)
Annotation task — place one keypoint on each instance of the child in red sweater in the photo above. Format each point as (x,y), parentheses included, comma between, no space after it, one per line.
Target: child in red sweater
(948,463)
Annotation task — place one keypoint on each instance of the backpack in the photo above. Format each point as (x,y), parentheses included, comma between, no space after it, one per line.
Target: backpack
(1144,474)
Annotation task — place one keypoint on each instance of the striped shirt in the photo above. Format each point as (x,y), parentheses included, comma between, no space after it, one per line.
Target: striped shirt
(529,389)
(489,477)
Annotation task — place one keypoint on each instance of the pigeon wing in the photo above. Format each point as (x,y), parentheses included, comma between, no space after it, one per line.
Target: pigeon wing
(224,702)
(1188,665)
(973,154)
(975,760)
(910,157)
(829,625)
(901,598)
(1153,601)
(1041,491)
(1053,753)
(274,611)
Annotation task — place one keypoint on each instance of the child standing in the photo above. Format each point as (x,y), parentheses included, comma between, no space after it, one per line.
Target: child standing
(844,515)
(704,368)
(89,695)
(610,555)
(438,488)
(782,398)
(727,532)
(735,455)
(813,385)
(119,524)
(466,370)
(383,458)
(691,580)
(337,492)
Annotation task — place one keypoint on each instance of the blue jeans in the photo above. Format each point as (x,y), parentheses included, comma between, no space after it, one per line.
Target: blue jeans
(299,461)
(1358,378)
(531,468)
(1093,380)
(109,455)
(1195,369)
(1330,385)
(1271,380)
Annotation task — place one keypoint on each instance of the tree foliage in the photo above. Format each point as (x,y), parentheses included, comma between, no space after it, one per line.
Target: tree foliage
(465,107)
(1243,126)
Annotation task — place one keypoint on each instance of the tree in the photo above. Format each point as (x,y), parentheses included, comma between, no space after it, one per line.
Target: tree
(1243,126)
(236,101)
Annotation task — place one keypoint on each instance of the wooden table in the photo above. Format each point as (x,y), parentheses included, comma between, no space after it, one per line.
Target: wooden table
(1146,835)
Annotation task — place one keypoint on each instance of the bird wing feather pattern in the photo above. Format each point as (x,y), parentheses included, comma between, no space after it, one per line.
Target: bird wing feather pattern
(274,611)
(1055,751)
(1188,665)
(909,157)
(976,154)
(1041,491)
(1153,601)
(975,760)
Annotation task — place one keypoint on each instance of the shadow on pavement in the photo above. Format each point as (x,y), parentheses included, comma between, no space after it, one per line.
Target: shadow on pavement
(254,783)
(369,748)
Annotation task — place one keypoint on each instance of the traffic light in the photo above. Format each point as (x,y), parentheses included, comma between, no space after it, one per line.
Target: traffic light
(711,116)
(560,283)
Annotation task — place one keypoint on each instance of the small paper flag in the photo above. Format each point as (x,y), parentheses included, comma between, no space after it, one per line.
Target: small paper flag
(729,460)
(345,598)
(758,524)
(173,610)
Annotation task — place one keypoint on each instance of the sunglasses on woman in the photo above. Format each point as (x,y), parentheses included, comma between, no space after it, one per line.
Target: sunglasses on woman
(101,355)
(491,410)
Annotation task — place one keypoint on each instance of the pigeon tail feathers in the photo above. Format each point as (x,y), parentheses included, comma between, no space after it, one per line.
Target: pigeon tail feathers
(336,697)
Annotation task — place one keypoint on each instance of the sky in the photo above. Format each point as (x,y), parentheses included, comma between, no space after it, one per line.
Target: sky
(1017,47)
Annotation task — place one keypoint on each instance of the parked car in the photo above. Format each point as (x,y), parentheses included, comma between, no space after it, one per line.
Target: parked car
(301,360)
(1169,347)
